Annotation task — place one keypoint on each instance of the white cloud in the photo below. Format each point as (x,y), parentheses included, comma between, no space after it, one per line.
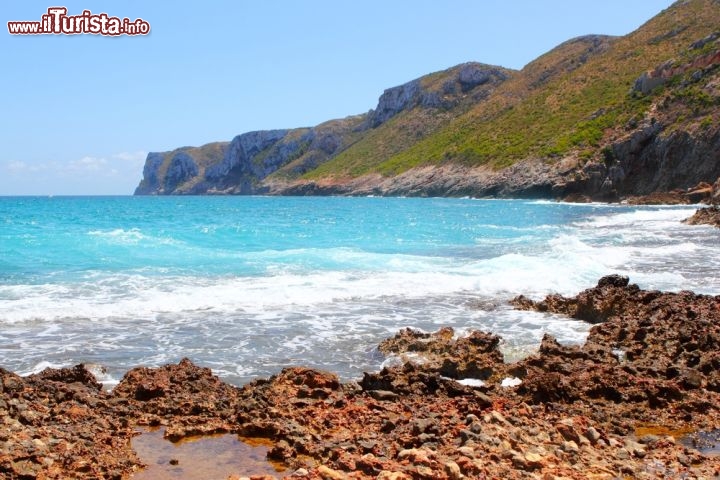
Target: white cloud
(15,166)
(88,164)
(138,156)
(110,166)
(117,173)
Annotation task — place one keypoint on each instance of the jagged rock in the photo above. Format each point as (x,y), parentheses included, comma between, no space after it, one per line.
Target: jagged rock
(576,413)
(715,193)
(472,75)
(704,41)
(472,356)
(393,101)
(647,82)
(182,167)
(151,180)
(705,216)
(243,149)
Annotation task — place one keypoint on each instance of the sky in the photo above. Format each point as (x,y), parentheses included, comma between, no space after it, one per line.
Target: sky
(80,112)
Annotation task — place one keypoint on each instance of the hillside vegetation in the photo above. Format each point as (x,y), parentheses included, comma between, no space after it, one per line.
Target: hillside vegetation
(593,116)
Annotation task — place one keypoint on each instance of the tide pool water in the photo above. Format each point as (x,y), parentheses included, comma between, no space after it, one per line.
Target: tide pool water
(248,285)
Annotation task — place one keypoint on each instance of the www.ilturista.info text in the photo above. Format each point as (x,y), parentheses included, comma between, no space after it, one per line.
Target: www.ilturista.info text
(57,21)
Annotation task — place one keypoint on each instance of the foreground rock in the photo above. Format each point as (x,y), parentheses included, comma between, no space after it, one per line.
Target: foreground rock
(614,407)
(60,424)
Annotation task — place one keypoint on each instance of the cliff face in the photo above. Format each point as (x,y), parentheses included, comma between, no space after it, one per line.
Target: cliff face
(596,118)
(243,165)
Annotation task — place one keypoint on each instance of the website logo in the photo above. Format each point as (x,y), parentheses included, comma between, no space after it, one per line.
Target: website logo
(57,22)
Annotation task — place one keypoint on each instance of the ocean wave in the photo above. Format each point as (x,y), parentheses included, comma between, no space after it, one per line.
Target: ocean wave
(641,218)
(248,296)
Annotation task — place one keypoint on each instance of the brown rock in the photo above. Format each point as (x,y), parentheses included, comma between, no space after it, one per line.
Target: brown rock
(386,475)
(705,216)
(62,426)
(327,473)
(452,470)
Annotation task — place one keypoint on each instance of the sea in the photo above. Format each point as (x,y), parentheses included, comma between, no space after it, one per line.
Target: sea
(249,285)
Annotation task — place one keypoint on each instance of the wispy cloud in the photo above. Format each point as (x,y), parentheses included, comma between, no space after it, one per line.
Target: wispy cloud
(138,156)
(88,164)
(16,167)
(92,174)
(111,165)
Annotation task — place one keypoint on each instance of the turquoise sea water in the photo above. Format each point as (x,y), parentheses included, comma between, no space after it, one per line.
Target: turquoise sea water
(247,285)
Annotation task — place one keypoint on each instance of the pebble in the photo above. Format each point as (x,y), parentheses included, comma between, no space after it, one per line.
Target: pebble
(427,438)
(452,470)
(476,427)
(498,417)
(387,475)
(570,447)
(635,448)
(521,462)
(418,455)
(425,471)
(383,395)
(567,431)
(592,434)
(601,476)
(647,439)
(328,473)
(483,400)
(467,436)
(467,451)
(367,445)
(622,454)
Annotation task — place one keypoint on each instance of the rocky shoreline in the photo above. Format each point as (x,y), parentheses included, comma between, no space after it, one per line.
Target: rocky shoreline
(635,401)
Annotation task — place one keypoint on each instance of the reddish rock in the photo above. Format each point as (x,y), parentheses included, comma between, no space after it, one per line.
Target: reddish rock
(650,364)
(705,216)
(471,356)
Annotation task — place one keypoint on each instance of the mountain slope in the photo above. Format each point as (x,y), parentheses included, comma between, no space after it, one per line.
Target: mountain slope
(573,111)
(404,114)
(598,116)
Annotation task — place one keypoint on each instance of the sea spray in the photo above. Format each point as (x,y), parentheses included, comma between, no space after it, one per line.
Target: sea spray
(248,285)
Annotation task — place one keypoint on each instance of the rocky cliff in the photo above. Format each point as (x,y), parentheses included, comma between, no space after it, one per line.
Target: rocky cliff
(596,118)
(243,165)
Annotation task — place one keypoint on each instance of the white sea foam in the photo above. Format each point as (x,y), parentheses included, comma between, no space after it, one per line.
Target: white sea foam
(39,367)
(643,218)
(510,382)
(132,236)
(102,375)
(568,264)
(329,307)
(471,382)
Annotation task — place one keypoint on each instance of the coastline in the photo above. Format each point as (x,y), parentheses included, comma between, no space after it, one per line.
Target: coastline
(621,405)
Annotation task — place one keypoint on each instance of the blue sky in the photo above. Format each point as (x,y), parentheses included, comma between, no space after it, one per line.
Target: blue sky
(79,113)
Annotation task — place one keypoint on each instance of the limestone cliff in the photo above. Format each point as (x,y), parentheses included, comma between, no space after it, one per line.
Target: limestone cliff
(241,166)
(597,117)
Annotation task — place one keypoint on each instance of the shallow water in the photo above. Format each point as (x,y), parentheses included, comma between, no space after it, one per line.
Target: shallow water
(200,458)
(248,285)
(706,442)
